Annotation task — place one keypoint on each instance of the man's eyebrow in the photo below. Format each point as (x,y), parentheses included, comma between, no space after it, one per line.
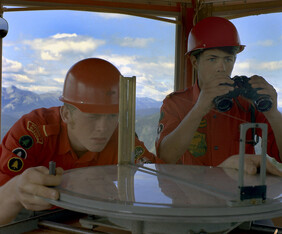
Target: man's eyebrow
(216,56)
(212,55)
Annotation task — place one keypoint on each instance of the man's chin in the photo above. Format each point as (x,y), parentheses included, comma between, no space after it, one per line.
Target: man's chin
(97,148)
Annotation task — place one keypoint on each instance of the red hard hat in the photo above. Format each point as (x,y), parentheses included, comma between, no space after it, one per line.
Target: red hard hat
(213,32)
(92,85)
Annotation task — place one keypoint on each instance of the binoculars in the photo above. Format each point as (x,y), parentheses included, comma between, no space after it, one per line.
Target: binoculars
(241,85)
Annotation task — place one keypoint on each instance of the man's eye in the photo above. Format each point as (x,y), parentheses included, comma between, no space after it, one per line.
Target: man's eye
(212,59)
(229,59)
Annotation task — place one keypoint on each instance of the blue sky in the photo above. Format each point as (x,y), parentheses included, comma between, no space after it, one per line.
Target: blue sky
(42,45)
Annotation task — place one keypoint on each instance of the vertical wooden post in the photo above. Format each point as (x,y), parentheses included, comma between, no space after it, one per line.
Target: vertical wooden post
(1,55)
(183,67)
(126,137)
(126,141)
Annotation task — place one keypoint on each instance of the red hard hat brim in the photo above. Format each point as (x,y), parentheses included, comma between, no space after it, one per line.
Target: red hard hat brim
(94,108)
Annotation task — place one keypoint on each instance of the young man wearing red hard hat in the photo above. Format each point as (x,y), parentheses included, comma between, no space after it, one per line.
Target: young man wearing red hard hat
(83,132)
(194,130)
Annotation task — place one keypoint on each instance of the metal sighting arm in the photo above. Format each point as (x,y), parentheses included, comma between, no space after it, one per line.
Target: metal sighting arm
(252,194)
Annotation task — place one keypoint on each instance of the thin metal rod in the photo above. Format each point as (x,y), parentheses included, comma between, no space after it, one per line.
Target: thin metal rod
(263,153)
(241,172)
(63,227)
(243,129)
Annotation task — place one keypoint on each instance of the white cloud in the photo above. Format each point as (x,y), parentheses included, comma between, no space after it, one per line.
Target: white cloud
(54,47)
(112,15)
(250,67)
(154,75)
(33,69)
(135,42)
(40,89)
(63,35)
(118,60)
(18,78)
(270,70)
(11,66)
(59,80)
(153,79)
(273,65)
(265,43)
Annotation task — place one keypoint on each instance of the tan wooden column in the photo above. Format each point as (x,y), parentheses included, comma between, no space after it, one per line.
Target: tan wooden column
(126,137)
(126,134)
(1,55)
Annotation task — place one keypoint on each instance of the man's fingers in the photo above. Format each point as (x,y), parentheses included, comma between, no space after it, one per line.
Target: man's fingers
(32,187)
(255,160)
(35,203)
(59,171)
(251,164)
(40,176)
(250,168)
(272,169)
(40,190)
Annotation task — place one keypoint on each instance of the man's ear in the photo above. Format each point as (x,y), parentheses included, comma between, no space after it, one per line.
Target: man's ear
(194,62)
(65,114)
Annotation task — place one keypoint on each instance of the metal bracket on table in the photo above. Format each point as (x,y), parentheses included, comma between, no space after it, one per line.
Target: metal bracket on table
(252,195)
(45,219)
(135,225)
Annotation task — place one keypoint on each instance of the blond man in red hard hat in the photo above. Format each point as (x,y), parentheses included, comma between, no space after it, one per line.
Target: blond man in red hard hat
(83,132)
(200,125)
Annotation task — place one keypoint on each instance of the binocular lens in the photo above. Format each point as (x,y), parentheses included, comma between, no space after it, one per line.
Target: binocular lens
(224,104)
(263,104)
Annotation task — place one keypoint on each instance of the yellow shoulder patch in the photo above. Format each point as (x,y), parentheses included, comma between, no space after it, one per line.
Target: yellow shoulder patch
(15,164)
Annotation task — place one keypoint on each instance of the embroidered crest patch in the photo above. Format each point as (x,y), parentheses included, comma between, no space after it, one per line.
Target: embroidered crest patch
(15,164)
(198,145)
(160,128)
(32,127)
(203,123)
(139,151)
(26,142)
(20,152)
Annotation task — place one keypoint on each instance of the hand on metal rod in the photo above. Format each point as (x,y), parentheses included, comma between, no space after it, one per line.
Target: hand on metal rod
(251,165)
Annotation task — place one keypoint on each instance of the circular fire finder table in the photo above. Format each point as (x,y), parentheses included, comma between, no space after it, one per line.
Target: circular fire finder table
(158,198)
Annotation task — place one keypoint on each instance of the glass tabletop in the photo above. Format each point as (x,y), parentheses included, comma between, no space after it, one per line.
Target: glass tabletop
(163,189)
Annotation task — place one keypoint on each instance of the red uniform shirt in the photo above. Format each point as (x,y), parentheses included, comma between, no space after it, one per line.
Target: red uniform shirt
(41,136)
(217,136)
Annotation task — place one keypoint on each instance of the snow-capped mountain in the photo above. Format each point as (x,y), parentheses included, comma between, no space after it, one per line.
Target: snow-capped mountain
(17,102)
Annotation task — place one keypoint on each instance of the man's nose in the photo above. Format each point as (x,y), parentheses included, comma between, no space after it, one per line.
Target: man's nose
(221,66)
(102,124)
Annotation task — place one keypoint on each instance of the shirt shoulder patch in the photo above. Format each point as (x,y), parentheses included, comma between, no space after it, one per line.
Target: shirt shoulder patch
(26,141)
(15,164)
(139,151)
(34,129)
